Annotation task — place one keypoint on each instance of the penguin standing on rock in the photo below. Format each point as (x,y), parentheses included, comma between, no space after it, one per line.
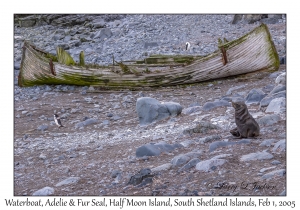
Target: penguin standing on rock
(57,121)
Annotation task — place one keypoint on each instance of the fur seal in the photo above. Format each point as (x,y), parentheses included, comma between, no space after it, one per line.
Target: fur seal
(246,125)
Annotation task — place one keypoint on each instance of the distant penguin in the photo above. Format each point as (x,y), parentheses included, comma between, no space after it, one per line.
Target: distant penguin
(57,121)
(187,46)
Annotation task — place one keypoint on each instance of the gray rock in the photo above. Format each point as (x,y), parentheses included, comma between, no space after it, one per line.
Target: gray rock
(267,142)
(191,110)
(24,112)
(281,79)
(268,88)
(275,162)
(213,146)
(42,127)
(155,149)
(29,21)
(115,173)
(187,143)
(150,44)
(105,122)
(44,191)
(268,120)
(211,105)
(147,150)
(140,176)
(206,165)
(193,162)
(151,110)
(209,138)
(283,193)
(272,174)
(194,104)
(221,156)
(102,33)
(180,160)
(256,156)
(86,123)
(164,147)
(255,96)
(163,167)
(201,127)
(116,117)
(274,74)
(173,108)
(229,92)
(278,88)
(70,180)
(277,105)
(99,23)
(279,146)
(266,169)
(266,101)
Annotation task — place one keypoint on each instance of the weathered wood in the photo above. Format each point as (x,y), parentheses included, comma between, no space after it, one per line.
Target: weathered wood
(254,51)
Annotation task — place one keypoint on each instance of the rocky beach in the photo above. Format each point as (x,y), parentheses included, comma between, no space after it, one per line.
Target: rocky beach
(114,143)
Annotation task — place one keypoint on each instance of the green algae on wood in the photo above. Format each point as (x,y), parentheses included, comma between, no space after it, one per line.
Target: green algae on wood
(81,59)
(64,57)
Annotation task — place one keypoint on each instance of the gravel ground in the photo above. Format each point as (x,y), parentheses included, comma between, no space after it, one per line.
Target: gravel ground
(95,153)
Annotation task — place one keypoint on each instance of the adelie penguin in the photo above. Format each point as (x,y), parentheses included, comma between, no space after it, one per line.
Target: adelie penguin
(187,46)
(57,121)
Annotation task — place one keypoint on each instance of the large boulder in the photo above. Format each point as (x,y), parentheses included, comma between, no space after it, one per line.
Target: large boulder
(255,96)
(151,110)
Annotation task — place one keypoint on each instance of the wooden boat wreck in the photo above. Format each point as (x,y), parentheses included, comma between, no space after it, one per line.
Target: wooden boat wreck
(251,52)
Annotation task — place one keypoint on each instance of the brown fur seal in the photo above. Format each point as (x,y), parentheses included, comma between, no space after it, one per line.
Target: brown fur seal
(246,125)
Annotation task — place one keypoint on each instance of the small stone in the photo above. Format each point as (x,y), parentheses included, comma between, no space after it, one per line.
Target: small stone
(70,180)
(43,157)
(256,156)
(193,162)
(268,120)
(147,150)
(267,142)
(42,127)
(180,160)
(229,92)
(266,169)
(281,79)
(115,173)
(279,146)
(44,191)
(206,165)
(211,105)
(272,174)
(163,167)
(275,162)
(187,143)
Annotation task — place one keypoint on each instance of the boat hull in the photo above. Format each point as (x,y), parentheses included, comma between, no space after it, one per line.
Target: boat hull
(252,52)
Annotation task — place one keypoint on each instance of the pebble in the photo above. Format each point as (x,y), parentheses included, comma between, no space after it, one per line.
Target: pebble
(70,180)
(44,191)
(206,165)
(160,168)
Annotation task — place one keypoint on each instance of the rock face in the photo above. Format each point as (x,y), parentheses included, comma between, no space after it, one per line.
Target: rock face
(150,110)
